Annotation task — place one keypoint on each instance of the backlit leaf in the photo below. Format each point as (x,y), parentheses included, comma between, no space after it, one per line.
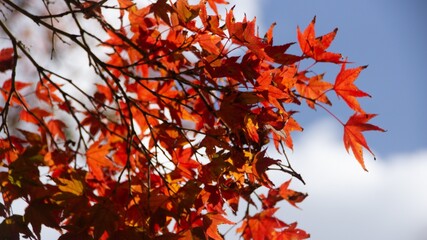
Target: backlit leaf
(314,90)
(345,88)
(212,221)
(97,158)
(315,47)
(353,137)
(56,128)
(72,186)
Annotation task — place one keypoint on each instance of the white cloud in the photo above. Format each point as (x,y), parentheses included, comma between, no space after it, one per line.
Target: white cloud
(345,202)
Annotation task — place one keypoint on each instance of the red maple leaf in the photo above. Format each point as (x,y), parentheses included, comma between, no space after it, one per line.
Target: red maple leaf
(56,128)
(345,88)
(293,197)
(314,90)
(211,222)
(97,159)
(353,137)
(45,91)
(315,47)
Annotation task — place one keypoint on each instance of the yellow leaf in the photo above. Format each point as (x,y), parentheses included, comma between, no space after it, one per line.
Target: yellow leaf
(72,186)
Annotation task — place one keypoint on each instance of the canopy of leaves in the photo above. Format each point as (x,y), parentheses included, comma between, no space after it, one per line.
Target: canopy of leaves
(175,133)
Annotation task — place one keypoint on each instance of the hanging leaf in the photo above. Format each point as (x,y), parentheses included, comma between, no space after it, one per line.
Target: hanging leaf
(353,137)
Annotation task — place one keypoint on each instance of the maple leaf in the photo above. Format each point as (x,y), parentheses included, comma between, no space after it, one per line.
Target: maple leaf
(126,5)
(32,138)
(244,33)
(106,91)
(211,222)
(345,88)
(212,4)
(94,122)
(34,115)
(72,186)
(293,197)
(186,12)
(277,53)
(14,227)
(251,128)
(161,9)
(96,157)
(292,233)
(210,43)
(45,91)
(56,128)
(268,37)
(6,59)
(261,164)
(314,90)
(291,125)
(17,86)
(353,137)
(316,47)
(261,225)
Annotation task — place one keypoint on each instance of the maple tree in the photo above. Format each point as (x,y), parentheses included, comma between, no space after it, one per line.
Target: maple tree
(174,136)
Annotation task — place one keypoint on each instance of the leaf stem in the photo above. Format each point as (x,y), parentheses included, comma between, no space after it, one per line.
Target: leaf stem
(330,113)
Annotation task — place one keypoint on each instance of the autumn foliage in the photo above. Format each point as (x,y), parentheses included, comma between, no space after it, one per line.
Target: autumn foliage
(177,133)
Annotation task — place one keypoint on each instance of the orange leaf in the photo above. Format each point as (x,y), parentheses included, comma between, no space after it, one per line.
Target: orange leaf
(33,115)
(291,125)
(292,233)
(291,196)
(7,85)
(244,33)
(106,91)
(261,225)
(345,87)
(45,91)
(251,128)
(212,4)
(210,43)
(6,89)
(96,157)
(353,137)
(56,128)
(211,221)
(268,37)
(315,90)
(316,47)
(126,4)
(186,12)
